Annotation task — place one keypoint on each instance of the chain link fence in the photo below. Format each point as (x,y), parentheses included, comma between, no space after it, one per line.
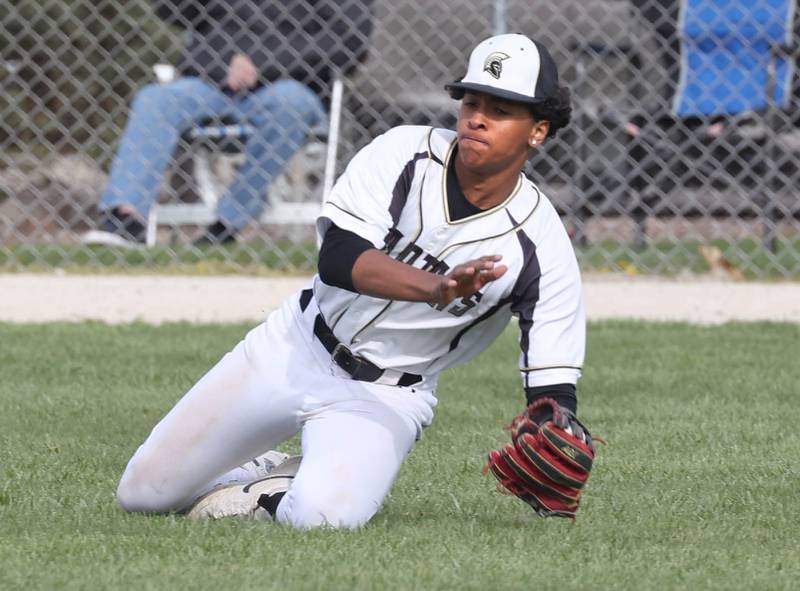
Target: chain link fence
(682,156)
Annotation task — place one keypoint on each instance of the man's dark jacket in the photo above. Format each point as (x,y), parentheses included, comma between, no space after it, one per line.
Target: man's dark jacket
(305,40)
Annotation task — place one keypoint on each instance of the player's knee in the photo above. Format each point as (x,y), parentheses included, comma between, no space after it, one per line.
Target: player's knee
(320,508)
(138,492)
(133,494)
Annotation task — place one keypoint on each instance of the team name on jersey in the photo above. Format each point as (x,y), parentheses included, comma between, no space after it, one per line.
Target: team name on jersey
(413,254)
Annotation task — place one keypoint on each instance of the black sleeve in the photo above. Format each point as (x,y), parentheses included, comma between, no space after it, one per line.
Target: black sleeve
(337,255)
(564,394)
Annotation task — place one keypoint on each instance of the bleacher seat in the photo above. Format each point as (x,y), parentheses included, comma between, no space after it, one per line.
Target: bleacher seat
(296,201)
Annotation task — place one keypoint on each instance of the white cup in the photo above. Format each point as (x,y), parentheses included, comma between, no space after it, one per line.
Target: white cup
(164,73)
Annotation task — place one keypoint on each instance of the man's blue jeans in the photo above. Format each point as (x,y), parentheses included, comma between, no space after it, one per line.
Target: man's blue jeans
(281,113)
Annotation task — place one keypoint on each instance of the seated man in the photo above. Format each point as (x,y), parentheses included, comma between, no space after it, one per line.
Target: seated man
(267,64)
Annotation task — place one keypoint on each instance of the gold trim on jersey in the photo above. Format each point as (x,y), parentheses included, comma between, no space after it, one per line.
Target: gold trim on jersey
(430,146)
(343,210)
(445,167)
(333,322)
(370,323)
(555,366)
(441,255)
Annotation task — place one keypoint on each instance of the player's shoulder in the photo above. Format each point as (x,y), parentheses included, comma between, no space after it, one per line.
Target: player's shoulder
(407,135)
(536,194)
(420,138)
(545,224)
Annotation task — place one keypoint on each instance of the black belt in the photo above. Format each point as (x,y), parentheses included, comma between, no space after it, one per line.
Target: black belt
(358,367)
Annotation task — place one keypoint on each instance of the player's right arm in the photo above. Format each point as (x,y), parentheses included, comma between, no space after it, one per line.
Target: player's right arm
(378,275)
(548,304)
(349,261)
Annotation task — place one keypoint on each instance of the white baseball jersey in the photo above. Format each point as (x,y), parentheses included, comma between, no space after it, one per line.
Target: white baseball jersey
(394,194)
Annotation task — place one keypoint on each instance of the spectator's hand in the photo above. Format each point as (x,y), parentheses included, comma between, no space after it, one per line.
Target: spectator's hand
(242,73)
(632,129)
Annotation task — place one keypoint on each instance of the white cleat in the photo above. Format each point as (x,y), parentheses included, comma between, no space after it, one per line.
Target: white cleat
(264,464)
(257,499)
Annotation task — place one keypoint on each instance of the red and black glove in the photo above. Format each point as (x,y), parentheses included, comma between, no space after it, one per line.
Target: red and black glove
(548,461)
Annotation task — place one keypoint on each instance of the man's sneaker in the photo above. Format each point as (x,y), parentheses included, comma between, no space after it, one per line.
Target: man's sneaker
(257,499)
(117,228)
(217,234)
(264,464)
(258,467)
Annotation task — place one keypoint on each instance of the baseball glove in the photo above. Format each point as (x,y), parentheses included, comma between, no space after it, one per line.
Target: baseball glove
(548,461)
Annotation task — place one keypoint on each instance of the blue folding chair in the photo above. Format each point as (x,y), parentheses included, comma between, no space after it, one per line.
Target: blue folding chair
(736,58)
(728,56)
(734,74)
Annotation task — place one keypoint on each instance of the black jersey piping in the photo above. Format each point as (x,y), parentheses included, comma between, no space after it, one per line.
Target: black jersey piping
(527,283)
(416,236)
(399,198)
(525,293)
(404,182)
(431,155)
(333,322)
(490,312)
(403,186)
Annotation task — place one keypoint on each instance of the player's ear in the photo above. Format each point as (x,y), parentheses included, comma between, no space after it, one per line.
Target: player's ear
(538,133)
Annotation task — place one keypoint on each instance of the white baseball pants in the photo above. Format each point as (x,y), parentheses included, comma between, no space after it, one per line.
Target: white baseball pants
(277,381)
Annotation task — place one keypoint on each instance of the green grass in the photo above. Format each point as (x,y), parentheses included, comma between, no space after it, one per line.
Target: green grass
(672,257)
(665,257)
(697,488)
(254,257)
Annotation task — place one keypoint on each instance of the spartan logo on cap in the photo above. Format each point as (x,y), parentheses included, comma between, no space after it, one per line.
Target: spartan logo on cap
(494,63)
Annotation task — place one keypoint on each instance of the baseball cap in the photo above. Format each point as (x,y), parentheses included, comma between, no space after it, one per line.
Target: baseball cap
(510,66)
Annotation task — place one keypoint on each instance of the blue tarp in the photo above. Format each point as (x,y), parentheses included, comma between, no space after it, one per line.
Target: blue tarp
(726,49)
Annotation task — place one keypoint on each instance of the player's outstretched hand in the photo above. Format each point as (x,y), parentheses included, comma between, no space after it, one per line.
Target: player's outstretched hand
(467,278)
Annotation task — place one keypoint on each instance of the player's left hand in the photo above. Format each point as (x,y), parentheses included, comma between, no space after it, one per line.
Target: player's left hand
(467,278)
(548,461)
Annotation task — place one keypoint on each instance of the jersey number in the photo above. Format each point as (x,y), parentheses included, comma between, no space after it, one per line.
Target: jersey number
(411,253)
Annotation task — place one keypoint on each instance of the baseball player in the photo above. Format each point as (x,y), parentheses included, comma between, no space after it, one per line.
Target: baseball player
(432,240)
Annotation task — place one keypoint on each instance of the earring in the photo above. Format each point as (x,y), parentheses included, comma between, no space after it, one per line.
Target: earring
(533,142)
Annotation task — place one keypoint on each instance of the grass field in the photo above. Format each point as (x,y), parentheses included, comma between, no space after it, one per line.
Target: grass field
(257,257)
(697,489)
